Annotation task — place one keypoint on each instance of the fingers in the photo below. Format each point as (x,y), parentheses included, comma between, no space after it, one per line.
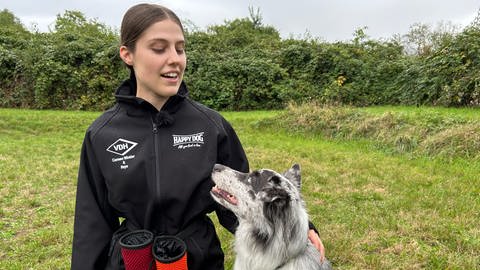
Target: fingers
(317,242)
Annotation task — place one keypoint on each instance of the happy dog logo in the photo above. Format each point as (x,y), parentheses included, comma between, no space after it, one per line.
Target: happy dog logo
(121,147)
(188,141)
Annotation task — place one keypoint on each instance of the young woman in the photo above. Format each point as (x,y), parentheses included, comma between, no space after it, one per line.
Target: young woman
(148,159)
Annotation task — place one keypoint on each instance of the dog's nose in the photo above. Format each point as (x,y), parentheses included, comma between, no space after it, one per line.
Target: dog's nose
(218,168)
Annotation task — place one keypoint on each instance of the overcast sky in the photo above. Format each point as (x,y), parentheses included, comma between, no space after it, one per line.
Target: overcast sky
(331,20)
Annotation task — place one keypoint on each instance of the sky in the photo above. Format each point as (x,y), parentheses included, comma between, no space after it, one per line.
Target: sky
(330,20)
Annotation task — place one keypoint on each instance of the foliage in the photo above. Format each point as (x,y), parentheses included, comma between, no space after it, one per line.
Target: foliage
(448,76)
(239,73)
(422,40)
(243,64)
(13,42)
(75,67)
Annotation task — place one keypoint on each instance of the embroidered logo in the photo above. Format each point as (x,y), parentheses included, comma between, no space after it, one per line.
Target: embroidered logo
(188,141)
(121,147)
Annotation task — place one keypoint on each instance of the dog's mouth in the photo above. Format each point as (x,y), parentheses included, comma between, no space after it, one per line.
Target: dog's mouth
(230,198)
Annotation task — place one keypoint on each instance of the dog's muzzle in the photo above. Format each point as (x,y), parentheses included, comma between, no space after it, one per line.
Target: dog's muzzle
(223,194)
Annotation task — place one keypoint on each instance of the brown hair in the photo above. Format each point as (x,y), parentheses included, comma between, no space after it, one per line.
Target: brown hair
(139,17)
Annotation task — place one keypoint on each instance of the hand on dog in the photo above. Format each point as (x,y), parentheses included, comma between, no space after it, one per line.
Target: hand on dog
(317,242)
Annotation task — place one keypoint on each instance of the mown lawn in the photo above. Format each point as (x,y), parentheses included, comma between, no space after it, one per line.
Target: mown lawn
(375,209)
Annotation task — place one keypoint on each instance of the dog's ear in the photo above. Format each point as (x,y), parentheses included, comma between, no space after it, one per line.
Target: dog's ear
(293,174)
(273,194)
(276,202)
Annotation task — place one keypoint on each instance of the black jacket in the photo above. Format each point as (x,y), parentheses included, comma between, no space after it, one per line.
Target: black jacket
(152,168)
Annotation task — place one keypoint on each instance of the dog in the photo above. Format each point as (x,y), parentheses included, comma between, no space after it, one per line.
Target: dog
(273,224)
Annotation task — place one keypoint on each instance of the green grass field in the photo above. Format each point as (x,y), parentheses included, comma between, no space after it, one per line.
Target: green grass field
(375,209)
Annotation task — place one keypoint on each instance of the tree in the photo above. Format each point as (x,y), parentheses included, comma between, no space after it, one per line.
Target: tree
(12,33)
(476,21)
(255,16)
(14,39)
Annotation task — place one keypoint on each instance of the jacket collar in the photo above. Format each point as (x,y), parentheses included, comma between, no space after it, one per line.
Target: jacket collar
(136,106)
(127,92)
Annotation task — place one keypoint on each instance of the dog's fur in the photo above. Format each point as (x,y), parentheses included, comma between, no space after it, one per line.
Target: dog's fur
(273,223)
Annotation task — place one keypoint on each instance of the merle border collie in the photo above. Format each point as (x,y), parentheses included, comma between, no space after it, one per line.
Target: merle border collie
(273,223)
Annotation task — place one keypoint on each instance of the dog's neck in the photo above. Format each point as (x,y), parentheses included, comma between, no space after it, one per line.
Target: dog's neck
(281,239)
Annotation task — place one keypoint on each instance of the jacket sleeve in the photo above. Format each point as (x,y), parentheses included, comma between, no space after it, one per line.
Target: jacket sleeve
(231,154)
(311,226)
(94,220)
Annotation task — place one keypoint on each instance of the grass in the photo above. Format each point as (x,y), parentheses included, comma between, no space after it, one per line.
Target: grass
(375,209)
(38,165)
(432,132)
(456,113)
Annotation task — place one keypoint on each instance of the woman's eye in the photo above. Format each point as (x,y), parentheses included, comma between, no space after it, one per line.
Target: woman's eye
(158,50)
(180,50)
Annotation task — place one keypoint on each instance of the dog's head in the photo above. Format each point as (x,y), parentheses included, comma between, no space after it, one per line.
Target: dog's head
(261,192)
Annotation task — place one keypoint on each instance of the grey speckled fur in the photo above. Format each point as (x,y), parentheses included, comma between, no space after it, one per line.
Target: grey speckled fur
(273,222)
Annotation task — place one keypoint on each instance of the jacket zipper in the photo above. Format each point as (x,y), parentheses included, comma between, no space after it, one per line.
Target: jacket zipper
(157,164)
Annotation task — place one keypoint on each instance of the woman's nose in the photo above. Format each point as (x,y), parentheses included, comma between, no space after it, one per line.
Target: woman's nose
(174,56)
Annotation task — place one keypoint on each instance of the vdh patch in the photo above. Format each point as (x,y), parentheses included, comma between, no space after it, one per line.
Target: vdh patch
(188,141)
(121,147)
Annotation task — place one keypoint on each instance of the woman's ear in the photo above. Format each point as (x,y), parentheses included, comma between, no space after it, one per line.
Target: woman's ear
(126,55)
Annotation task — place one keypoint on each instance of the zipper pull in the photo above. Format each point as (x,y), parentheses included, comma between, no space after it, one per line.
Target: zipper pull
(155,128)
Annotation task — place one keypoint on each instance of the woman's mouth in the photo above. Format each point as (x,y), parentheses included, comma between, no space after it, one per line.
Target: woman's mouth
(170,75)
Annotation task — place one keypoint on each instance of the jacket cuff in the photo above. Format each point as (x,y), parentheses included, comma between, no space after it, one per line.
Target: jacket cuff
(312,227)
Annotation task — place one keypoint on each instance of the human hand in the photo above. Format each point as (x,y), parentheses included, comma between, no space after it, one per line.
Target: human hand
(317,242)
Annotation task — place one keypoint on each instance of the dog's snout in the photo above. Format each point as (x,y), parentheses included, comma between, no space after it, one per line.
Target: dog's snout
(218,168)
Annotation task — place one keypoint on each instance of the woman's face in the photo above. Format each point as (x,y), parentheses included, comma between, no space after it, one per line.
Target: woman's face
(159,61)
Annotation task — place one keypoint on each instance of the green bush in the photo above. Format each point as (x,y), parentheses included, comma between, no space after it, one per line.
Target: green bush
(76,66)
(243,65)
(448,76)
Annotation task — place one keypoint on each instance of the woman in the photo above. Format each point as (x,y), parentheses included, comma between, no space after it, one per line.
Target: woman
(148,159)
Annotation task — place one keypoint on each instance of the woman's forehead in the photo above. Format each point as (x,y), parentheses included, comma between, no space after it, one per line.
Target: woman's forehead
(164,31)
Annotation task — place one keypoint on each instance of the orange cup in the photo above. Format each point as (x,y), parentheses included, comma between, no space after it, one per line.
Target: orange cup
(170,253)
